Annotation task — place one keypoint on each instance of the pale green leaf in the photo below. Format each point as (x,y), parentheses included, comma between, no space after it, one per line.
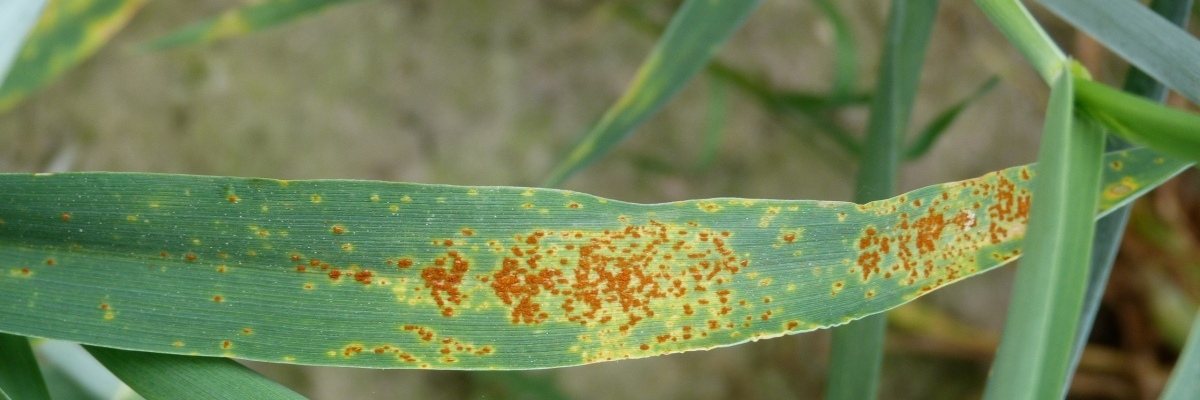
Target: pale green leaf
(400,275)
(1035,350)
(1183,384)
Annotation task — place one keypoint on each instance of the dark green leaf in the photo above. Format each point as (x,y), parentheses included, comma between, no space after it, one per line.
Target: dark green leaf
(169,376)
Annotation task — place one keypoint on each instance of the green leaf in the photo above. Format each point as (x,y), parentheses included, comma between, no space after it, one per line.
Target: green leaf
(250,18)
(857,355)
(1150,42)
(1168,130)
(694,35)
(169,376)
(69,32)
(16,19)
(19,374)
(402,275)
(1035,348)
(1183,384)
(932,132)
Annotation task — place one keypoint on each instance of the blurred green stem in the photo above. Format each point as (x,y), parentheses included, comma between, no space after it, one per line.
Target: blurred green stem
(857,355)
(1023,32)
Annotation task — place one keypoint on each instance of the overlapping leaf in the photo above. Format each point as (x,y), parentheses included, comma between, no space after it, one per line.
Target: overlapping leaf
(396,275)
(68,32)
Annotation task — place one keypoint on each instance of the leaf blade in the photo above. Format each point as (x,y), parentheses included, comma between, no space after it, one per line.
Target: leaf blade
(1047,299)
(693,36)
(149,259)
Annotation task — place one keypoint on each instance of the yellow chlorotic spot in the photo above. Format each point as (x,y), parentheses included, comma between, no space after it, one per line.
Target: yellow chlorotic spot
(406,199)
(708,206)
(264,208)
(394,208)
(154,204)
(177,344)
(289,358)
(131,218)
(1120,189)
(331,353)
(374,197)
(472,192)
(764,282)
(109,315)
(284,183)
(527,205)
(195,242)
(527,192)
(791,287)
(316,198)
(347,247)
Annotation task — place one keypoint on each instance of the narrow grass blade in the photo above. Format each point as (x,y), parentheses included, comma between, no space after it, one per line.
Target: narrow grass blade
(1147,40)
(1168,130)
(1015,22)
(169,376)
(845,56)
(932,132)
(1111,228)
(401,275)
(1035,348)
(1184,383)
(694,35)
(19,375)
(243,20)
(714,126)
(69,32)
(857,355)
(16,19)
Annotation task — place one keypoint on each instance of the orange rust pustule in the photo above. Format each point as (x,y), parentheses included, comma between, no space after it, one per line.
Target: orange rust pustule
(364,276)
(617,274)
(443,283)
(939,239)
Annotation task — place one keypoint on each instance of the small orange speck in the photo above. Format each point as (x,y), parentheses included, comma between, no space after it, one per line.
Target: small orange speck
(221,269)
(66,217)
(190,257)
(314,262)
(467,232)
(226,344)
(295,257)
(247,331)
(301,268)
(218,299)
(50,261)
(404,263)
(164,255)
(645,347)
(308,286)
(448,242)
(335,274)
(233,199)
(338,230)
(104,306)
